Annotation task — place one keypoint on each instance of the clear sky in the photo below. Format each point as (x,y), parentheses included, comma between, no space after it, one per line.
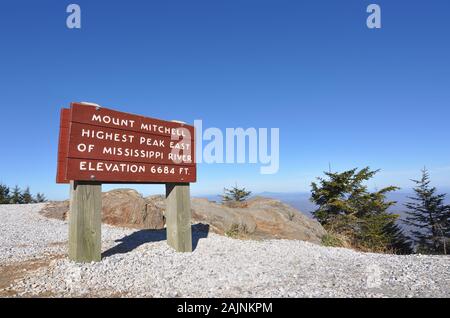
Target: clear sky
(339,92)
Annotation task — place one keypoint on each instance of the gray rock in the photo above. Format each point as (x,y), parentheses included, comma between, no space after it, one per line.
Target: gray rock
(259,218)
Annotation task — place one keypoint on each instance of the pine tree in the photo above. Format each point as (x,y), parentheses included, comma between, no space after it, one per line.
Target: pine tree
(4,194)
(344,194)
(27,198)
(235,194)
(16,196)
(398,240)
(429,217)
(347,208)
(40,198)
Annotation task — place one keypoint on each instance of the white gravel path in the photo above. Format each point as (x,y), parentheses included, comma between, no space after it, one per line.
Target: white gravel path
(142,264)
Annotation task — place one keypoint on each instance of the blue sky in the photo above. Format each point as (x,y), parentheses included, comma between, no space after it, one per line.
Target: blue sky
(339,92)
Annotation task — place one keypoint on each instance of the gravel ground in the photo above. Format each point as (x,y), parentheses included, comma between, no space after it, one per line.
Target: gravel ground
(139,263)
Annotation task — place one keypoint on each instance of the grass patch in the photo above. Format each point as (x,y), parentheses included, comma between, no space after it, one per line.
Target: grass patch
(237,230)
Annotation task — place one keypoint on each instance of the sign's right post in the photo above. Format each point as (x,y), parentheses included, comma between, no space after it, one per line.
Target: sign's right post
(178,216)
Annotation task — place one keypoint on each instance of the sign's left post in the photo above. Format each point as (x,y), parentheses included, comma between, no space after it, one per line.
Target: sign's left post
(85,219)
(85,204)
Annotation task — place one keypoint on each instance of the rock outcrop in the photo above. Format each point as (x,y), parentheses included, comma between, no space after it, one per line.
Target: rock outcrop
(261,218)
(129,209)
(121,207)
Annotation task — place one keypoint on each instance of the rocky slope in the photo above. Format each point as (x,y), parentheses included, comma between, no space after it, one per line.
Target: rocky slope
(137,262)
(261,218)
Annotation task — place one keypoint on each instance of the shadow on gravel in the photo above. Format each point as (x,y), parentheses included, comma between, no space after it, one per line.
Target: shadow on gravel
(130,242)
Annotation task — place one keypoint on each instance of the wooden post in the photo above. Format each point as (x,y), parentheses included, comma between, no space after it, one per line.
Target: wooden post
(178,216)
(85,221)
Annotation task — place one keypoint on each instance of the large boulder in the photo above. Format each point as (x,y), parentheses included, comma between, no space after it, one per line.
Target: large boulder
(259,218)
(122,207)
(129,209)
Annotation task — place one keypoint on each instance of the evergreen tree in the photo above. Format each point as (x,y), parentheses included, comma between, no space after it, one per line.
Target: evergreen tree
(344,194)
(16,196)
(27,198)
(235,194)
(4,194)
(429,217)
(40,198)
(346,206)
(398,240)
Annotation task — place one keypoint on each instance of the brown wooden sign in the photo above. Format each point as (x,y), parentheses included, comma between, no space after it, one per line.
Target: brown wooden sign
(63,146)
(103,145)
